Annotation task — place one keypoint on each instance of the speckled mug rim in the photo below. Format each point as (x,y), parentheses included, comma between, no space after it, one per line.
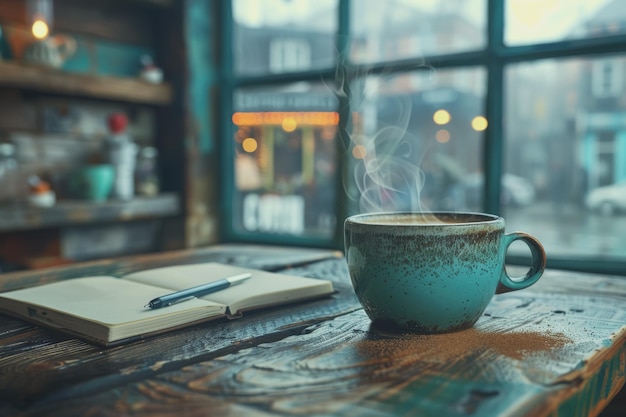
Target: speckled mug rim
(481,219)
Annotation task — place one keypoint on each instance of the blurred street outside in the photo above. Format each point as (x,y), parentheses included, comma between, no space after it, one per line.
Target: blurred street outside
(569,230)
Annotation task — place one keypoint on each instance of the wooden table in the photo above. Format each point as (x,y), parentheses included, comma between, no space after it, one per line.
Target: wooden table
(557,348)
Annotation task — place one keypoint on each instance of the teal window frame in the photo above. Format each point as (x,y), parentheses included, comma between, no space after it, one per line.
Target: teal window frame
(494,57)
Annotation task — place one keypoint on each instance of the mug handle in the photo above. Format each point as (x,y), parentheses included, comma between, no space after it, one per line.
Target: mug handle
(506,283)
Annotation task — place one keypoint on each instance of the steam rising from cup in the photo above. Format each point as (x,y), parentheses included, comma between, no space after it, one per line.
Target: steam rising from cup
(387,172)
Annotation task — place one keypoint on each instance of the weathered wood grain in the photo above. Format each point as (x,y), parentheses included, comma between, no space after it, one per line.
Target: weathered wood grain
(47,366)
(558,348)
(347,367)
(199,122)
(103,87)
(120,20)
(269,258)
(111,20)
(73,212)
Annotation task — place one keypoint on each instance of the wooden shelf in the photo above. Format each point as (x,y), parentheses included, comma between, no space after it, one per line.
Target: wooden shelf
(157,3)
(70,213)
(41,79)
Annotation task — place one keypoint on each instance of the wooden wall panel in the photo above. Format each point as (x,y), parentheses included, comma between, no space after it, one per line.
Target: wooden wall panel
(16,113)
(107,20)
(130,22)
(47,122)
(29,249)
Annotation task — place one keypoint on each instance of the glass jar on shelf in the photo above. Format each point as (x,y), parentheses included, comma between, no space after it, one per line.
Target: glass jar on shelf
(146,172)
(122,154)
(9,175)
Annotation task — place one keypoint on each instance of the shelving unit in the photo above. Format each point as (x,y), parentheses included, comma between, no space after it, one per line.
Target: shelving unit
(85,212)
(34,78)
(157,3)
(125,28)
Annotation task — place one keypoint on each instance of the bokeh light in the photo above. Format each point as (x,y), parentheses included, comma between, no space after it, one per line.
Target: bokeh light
(442,136)
(289,124)
(359,151)
(40,29)
(249,145)
(441,117)
(479,123)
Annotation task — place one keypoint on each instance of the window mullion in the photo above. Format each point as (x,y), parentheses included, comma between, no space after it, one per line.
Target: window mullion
(226,162)
(342,84)
(493,150)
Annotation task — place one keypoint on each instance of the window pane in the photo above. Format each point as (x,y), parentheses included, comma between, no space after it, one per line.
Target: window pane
(538,21)
(384,31)
(278,36)
(285,160)
(417,141)
(566,153)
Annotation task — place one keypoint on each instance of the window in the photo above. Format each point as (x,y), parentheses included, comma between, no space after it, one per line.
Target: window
(607,77)
(289,55)
(514,107)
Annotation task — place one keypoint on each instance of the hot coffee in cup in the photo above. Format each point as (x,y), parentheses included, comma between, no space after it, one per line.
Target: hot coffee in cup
(432,272)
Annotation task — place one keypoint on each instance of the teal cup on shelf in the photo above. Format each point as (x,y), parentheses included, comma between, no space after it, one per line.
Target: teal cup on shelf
(93,182)
(432,272)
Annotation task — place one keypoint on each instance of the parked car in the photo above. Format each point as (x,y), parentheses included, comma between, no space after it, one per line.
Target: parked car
(608,200)
(516,191)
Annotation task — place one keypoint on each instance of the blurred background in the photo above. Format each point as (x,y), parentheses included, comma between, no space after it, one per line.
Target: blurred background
(271,121)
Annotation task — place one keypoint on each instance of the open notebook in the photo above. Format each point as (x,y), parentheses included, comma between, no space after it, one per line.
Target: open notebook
(109,310)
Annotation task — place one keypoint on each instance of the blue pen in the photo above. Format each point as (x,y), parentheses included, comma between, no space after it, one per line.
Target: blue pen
(198,291)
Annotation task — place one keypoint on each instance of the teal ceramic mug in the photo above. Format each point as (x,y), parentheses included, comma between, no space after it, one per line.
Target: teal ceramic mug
(93,182)
(432,272)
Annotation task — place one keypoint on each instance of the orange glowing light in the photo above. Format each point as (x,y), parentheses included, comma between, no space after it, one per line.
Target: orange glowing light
(479,123)
(249,145)
(40,29)
(359,152)
(328,132)
(442,136)
(441,117)
(289,124)
(277,118)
